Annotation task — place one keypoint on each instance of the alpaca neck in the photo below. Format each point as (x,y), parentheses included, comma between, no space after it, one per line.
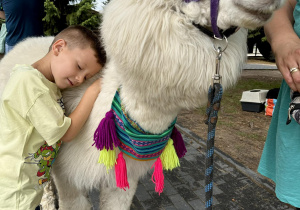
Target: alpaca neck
(153,117)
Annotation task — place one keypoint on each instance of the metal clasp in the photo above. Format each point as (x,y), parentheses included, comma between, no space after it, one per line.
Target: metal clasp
(217,77)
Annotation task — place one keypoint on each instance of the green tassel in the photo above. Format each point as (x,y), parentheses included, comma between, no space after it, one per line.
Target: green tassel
(108,158)
(169,157)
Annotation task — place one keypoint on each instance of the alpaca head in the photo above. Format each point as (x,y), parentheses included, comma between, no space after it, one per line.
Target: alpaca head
(241,13)
(159,53)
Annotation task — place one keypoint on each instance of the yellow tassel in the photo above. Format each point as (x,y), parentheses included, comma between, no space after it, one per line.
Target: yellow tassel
(108,158)
(169,157)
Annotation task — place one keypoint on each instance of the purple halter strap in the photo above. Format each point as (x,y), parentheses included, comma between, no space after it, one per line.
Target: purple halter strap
(188,1)
(214,8)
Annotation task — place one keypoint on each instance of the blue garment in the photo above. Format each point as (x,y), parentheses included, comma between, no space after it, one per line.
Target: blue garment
(8,48)
(280,160)
(23,19)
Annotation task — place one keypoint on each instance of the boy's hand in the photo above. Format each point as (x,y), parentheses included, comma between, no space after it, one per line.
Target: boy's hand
(96,85)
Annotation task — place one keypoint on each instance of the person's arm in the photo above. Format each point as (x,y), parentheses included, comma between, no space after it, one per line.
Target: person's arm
(82,111)
(2,15)
(285,43)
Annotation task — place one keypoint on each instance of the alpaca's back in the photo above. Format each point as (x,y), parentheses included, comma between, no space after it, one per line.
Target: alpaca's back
(26,52)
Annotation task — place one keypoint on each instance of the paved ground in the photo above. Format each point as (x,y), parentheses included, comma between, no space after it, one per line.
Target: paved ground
(262,73)
(264,70)
(259,66)
(235,187)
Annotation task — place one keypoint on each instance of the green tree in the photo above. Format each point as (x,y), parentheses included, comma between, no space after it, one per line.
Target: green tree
(59,14)
(83,14)
(257,37)
(52,15)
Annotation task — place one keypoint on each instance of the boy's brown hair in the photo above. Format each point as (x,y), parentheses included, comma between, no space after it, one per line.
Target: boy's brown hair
(81,37)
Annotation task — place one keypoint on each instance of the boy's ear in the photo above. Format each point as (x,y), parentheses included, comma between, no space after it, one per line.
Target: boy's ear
(58,46)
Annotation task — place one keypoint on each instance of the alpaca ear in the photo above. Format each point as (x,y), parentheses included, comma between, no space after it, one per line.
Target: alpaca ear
(58,46)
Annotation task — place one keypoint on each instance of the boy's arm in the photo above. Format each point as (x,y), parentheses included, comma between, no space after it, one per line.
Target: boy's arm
(82,111)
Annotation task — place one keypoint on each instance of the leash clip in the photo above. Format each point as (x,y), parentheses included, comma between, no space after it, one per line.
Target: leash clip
(217,77)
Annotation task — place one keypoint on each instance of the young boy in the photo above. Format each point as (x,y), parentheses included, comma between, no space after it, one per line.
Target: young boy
(32,114)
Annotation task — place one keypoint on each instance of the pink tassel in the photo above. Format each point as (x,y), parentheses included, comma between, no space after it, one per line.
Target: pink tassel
(178,143)
(158,176)
(121,172)
(105,135)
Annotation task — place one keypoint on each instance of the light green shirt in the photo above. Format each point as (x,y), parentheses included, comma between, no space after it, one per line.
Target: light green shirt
(31,119)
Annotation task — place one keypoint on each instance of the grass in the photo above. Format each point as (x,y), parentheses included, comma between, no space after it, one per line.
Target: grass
(240,134)
(231,109)
(233,95)
(252,136)
(231,104)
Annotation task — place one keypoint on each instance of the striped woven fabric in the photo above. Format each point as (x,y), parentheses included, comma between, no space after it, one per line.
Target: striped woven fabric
(135,142)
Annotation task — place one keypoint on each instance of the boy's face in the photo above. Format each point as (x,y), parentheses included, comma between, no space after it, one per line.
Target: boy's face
(70,68)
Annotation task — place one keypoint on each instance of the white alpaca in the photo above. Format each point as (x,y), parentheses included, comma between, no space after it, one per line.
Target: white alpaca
(163,63)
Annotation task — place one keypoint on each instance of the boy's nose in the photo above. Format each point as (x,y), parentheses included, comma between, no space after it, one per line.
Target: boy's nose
(80,78)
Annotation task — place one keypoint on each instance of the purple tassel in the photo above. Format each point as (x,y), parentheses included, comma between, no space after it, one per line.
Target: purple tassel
(106,135)
(178,143)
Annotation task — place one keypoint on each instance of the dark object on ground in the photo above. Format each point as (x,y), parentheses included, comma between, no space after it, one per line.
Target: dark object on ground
(265,49)
(273,93)
(257,37)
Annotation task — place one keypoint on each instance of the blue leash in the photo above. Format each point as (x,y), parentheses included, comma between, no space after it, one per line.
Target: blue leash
(213,106)
(214,99)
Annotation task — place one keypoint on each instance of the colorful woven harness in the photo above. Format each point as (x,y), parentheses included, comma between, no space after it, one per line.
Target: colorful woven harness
(118,130)
(135,142)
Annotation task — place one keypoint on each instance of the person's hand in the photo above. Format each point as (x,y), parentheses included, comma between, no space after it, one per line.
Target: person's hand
(287,55)
(96,86)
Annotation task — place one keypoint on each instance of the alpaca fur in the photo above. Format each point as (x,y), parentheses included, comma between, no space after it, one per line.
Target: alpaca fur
(163,63)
